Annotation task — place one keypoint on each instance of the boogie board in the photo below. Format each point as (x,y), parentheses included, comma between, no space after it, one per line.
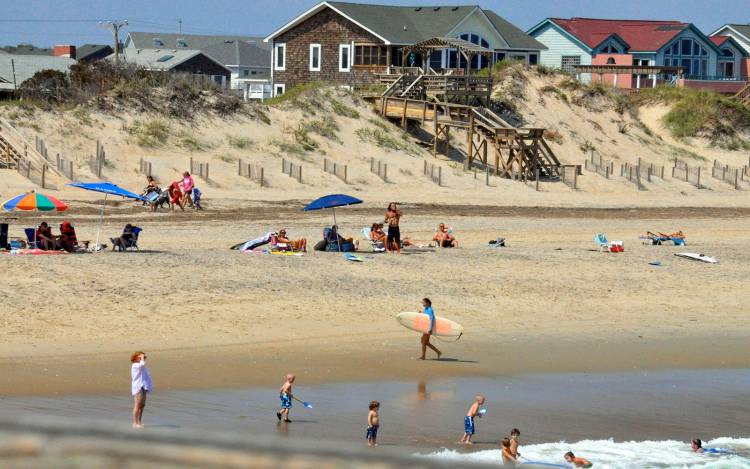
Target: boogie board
(419,322)
(697,257)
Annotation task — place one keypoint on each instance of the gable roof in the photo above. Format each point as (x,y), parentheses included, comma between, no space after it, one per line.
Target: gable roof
(27,65)
(88,50)
(249,51)
(743,29)
(640,35)
(27,49)
(406,25)
(161,59)
(719,40)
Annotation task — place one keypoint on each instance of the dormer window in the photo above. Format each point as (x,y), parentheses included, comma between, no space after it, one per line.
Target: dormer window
(158,42)
(182,43)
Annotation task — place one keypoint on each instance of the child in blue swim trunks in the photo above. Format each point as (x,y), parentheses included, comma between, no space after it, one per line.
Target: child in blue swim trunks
(373,424)
(285,394)
(469,419)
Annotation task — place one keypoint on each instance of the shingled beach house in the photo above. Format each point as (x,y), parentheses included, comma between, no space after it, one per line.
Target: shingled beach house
(350,43)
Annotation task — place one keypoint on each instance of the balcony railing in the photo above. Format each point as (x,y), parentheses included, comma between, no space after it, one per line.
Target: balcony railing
(713,78)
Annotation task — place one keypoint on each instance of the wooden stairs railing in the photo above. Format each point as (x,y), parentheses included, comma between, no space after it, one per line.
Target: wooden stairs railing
(744,95)
(17,153)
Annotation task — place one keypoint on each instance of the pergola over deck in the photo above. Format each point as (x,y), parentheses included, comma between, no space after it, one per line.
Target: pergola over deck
(467,49)
(638,70)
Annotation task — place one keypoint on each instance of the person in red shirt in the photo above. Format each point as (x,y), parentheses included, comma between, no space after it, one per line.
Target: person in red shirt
(175,195)
(44,237)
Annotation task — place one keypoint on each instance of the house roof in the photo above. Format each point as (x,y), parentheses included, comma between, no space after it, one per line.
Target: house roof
(404,25)
(743,29)
(640,35)
(27,65)
(239,53)
(87,50)
(27,49)
(248,51)
(160,59)
(719,40)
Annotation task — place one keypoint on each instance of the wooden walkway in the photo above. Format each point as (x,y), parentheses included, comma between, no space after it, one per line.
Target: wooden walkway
(744,95)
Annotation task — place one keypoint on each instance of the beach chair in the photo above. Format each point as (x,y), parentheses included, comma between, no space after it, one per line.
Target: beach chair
(601,240)
(376,247)
(33,243)
(133,243)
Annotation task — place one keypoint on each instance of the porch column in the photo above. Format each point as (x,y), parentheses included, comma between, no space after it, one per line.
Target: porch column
(614,80)
(653,84)
(638,82)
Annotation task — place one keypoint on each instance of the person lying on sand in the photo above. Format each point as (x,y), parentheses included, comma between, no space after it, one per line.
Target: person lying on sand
(296,244)
(286,396)
(576,461)
(473,412)
(697,445)
(427,309)
(509,459)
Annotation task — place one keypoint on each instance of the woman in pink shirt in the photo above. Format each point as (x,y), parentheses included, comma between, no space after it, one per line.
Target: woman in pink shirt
(187,187)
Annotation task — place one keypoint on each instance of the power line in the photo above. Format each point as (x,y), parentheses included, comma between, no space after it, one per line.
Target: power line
(115,27)
(47,21)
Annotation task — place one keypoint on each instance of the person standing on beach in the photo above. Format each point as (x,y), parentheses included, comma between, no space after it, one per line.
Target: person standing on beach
(373,424)
(576,461)
(140,386)
(187,187)
(427,309)
(473,412)
(286,396)
(392,219)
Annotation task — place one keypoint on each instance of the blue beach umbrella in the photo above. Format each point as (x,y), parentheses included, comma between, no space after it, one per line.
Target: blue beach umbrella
(332,201)
(106,188)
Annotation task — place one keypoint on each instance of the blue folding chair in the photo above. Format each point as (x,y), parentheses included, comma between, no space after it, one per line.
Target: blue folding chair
(31,238)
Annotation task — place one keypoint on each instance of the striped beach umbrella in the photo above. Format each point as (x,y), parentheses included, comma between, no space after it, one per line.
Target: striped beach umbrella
(34,201)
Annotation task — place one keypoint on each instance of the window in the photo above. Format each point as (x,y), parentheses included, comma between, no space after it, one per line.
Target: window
(611,61)
(690,55)
(727,53)
(158,42)
(499,56)
(370,55)
(533,59)
(279,54)
(610,49)
(246,73)
(279,89)
(165,58)
(479,61)
(182,43)
(314,57)
(345,52)
(569,63)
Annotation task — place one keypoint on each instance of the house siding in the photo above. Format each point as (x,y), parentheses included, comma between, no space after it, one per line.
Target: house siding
(558,46)
(689,34)
(477,24)
(330,30)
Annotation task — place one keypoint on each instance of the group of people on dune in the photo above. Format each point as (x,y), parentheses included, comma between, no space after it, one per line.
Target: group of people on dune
(173,195)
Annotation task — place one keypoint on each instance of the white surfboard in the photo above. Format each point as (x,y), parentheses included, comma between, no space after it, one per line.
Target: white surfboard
(697,257)
(419,322)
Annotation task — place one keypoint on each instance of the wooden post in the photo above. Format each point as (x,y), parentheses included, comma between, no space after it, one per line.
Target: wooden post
(191,165)
(536,176)
(440,176)
(435,130)
(403,117)
(346,170)
(44,175)
(487,175)
(469,143)
(698,185)
(424,111)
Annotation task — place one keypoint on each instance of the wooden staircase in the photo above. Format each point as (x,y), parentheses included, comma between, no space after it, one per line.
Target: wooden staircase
(744,95)
(16,153)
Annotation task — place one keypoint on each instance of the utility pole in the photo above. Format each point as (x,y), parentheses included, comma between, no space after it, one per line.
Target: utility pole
(180,22)
(13,67)
(115,27)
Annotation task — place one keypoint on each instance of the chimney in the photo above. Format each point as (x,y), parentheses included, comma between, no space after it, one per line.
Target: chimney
(64,51)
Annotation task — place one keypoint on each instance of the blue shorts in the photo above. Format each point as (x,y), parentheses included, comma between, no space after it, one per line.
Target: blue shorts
(372,432)
(286,401)
(469,425)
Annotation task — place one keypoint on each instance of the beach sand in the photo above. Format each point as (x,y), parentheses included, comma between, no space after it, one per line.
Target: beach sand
(214,318)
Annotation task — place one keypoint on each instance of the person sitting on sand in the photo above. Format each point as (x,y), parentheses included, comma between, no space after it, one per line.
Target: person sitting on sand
(44,237)
(443,238)
(337,243)
(427,309)
(286,396)
(509,459)
(68,238)
(296,244)
(141,384)
(175,195)
(473,412)
(697,445)
(377,235)
(576,461)
(125,240)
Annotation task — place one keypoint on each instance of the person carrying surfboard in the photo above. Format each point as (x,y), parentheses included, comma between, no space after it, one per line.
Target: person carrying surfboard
(427,309)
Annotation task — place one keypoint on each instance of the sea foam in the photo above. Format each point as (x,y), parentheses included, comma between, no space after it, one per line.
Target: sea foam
(608,454)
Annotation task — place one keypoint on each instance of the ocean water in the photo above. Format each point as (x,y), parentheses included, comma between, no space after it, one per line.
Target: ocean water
(610,454)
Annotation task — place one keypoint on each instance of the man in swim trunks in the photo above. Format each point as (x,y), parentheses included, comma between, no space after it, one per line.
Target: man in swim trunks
(576,461)
(392,219)
(286,396)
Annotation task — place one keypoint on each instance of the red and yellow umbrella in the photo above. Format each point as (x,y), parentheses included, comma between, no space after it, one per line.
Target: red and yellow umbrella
(34,201)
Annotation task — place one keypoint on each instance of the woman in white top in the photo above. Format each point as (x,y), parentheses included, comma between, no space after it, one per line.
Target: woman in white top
(141,385)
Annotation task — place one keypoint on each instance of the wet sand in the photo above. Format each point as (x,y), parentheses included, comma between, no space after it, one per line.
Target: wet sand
(662,405)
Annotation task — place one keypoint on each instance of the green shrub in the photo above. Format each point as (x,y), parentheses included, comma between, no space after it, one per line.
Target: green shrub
(241,143)
(383,140)
(325,127)
(295,93)
(342,109)
(154,133)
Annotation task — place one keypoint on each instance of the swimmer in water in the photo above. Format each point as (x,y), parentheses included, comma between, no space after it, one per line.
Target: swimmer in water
(576,461)
(697,445)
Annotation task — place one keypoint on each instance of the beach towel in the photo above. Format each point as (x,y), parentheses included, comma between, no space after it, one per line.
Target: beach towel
(257,242)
